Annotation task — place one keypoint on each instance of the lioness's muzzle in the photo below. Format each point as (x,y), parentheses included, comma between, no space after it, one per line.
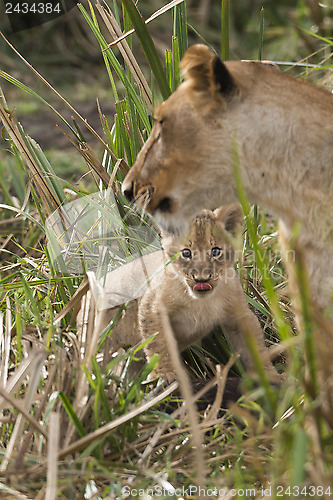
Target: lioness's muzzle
(128,190)
(140,194)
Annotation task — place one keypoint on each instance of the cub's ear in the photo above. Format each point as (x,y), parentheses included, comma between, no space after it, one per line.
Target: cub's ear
(231,216)
(205,71)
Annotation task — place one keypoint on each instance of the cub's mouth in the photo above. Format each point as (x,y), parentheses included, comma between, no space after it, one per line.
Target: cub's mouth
(202,287)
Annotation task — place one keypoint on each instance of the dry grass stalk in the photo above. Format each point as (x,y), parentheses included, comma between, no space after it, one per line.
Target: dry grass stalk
(13,493)
(115,31)
(5,341)
(16,134)
(52,454)
(49,86)
(186,390)
(25,369)
(90,157)
(75,302)
(221,382)
(160,436)
(87,347)
(21,453)
(94,162)
(36,363)
(105,429)
(13,403)
(156,14)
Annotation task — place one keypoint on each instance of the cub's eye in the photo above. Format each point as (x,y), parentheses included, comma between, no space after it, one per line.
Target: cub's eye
(216,252)
(186,254)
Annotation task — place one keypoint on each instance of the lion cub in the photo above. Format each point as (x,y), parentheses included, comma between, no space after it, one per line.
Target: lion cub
(200,290)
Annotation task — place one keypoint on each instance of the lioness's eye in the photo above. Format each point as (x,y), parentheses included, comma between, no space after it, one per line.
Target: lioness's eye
(186,254)
(216,252)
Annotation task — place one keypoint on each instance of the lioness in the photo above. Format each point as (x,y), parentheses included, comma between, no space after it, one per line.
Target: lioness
(282,131)
(199,291)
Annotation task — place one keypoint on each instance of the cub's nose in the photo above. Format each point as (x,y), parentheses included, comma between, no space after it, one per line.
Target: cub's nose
(128,190)
(200,276)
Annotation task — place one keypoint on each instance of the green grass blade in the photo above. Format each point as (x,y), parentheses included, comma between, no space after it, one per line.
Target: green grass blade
(100,391)
(261,35)
(106,61)
(31,299)
(134,127)
(21,212)
(123,142)
(6,287)
(26,89)
(259,255)
(180,28)
(168,67)
(323,39)
(299,457)
(202,38)
(148,368)
(4,186)
(176,56)
(148,47)
(225,30)
(18,323)
(118,69)
(116,11)
(307,322)
(72,415)
(49,173)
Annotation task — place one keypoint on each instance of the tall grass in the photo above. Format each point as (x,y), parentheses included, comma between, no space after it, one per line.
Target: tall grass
(75,420)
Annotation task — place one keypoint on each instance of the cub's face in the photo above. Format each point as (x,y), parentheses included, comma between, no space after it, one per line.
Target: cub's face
(206,255)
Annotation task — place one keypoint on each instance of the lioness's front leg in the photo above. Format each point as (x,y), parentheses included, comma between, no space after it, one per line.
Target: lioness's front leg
(150,323)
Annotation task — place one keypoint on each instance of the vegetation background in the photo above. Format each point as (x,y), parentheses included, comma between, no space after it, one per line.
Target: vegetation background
(75,423)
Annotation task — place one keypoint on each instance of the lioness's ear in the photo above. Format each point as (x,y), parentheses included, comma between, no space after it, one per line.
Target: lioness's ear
(206,71)
(231,216)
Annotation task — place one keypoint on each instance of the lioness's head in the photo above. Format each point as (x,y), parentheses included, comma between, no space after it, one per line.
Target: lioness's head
(169,166)
(206,252)
(187,162)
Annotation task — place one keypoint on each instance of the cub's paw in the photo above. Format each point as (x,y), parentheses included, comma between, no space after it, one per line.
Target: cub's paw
(164,369)
(166,377)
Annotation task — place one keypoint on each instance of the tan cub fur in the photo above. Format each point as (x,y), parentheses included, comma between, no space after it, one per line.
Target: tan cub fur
(200,290)
(283,131)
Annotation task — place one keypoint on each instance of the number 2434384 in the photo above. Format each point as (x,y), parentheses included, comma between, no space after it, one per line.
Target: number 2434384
(34,8)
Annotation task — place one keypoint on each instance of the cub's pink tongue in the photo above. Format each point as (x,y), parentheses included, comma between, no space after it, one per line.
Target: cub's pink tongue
(202,286)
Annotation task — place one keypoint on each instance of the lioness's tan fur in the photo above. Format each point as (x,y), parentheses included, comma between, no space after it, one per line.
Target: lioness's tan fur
(193,314)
